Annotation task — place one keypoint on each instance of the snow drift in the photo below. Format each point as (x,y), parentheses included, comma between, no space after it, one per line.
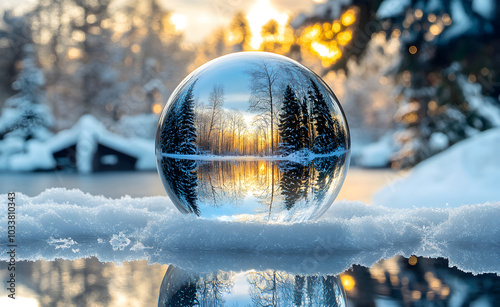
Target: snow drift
(466,173)
(70,224)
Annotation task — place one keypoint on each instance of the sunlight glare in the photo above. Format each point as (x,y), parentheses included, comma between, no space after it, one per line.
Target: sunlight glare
(260,14)
(179,21)
(347,281)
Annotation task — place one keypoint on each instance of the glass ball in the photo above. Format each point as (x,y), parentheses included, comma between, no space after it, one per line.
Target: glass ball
(253,136)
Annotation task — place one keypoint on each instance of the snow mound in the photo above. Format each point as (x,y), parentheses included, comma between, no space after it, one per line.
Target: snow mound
(466,173)
(70,224)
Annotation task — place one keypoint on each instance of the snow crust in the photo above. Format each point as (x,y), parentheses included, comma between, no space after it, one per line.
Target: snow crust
(466,173)
(70,224)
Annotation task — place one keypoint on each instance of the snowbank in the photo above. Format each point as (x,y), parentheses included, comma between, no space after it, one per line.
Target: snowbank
(70,224)
(466,173)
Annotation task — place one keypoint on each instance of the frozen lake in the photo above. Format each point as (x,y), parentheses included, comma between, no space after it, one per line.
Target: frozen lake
(396,281)
(106,266)
(360,184)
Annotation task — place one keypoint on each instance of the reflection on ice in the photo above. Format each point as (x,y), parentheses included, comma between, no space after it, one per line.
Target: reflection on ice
(152,228)
(250,288)
(266,189)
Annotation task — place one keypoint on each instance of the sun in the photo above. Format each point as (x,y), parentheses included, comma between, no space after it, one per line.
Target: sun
(179,21)
(260,14)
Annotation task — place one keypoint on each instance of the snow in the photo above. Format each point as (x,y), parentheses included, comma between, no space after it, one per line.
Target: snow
(462,23)
(37,156)
(485,8)
(466,173)
(392,8)
(438,141)
(141,126)
(70,224)
(300,155)
(484,105)
(377,154)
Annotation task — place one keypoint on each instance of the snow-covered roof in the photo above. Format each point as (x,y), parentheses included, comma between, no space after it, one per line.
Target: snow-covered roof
(86,134)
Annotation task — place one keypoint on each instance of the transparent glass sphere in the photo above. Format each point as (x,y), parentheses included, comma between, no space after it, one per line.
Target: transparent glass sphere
(253,135)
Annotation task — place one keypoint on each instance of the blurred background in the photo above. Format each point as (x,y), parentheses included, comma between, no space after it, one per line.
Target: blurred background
(82,82)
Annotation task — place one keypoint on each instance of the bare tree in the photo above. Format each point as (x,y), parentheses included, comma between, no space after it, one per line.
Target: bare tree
(215,102)
(264,89)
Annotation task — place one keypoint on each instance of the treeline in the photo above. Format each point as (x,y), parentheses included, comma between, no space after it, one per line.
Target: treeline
(265,288)
(219,183)
(300,129)
(192,127)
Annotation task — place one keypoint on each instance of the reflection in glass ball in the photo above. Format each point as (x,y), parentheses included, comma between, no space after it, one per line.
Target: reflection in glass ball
(253,135)
(250,288)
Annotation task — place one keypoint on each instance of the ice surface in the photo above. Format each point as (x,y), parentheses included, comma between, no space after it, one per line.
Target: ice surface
(70,224)
(466,173)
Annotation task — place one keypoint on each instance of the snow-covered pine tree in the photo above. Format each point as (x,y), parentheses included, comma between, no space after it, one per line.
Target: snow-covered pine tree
(438,65)
(449,87)
(324,140)
(26,115)
(289,123)
(169,133)
(186,126)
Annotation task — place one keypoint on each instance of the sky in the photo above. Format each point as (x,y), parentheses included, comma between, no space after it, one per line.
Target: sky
(199,18)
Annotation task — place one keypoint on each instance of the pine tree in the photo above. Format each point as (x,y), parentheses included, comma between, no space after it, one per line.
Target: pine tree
(291,183)
(324,141)
(185,296)
(298,290)
(305,136)
(187,128)
(329,293)
(328,169)
(289,123)
(182,178)
(169,132)
(26,115)
(340,134)
(179,137)
(188,185)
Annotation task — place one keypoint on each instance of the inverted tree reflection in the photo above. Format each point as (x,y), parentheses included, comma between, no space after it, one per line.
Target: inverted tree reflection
(273,189)
(255,288)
